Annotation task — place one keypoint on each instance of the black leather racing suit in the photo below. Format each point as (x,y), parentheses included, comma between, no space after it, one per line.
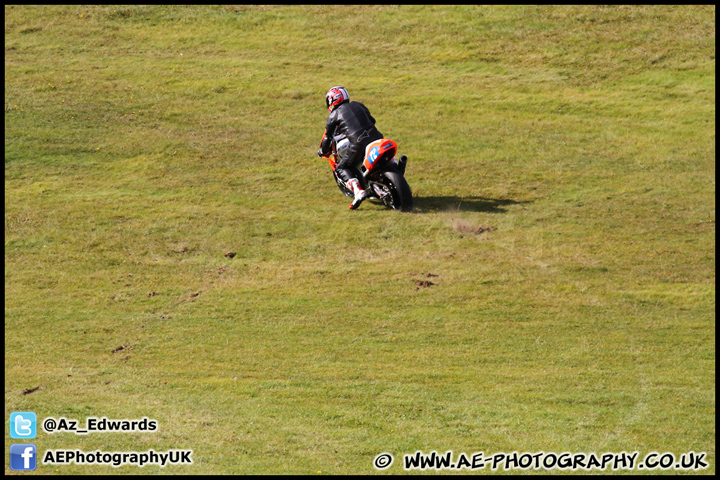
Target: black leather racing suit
(354,120)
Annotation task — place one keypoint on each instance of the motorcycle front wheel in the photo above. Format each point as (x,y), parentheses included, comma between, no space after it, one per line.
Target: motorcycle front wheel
(342,187)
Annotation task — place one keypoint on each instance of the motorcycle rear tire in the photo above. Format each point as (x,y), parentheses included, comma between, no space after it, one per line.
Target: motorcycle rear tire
(399,191)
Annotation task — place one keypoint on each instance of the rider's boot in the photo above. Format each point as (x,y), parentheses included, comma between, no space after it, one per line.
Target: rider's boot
(360,194)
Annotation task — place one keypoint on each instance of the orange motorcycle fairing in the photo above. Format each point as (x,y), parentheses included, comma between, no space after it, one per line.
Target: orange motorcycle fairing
(377,150)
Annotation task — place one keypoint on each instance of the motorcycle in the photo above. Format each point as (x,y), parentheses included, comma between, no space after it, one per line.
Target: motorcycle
(382,173)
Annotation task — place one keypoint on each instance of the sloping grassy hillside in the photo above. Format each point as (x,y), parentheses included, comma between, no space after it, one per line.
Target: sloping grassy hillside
(175,249)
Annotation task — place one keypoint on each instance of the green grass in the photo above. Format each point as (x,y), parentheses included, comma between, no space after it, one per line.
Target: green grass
(143,143)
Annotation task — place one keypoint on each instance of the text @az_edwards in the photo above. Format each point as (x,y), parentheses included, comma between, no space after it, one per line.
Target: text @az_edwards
(94,425)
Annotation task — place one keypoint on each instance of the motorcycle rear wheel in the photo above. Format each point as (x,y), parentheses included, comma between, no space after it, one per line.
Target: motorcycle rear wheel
(399,196)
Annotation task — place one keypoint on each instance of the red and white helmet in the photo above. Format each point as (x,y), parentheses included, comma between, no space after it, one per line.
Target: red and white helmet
(335,96)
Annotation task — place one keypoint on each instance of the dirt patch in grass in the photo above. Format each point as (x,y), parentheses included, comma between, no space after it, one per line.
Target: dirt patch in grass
(28,391)
(120,348)
(465,227)
(423,284)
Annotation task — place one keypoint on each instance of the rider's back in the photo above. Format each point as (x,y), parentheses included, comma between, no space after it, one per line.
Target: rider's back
(354,120)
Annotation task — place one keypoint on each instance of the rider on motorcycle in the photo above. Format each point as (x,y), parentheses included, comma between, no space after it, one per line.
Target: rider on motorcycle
(354,120)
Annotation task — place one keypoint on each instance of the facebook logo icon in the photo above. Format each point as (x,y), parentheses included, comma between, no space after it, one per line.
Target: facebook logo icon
(23,425)
(23,456)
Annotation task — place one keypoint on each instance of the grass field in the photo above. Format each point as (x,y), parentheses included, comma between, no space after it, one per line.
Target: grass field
(553,291)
